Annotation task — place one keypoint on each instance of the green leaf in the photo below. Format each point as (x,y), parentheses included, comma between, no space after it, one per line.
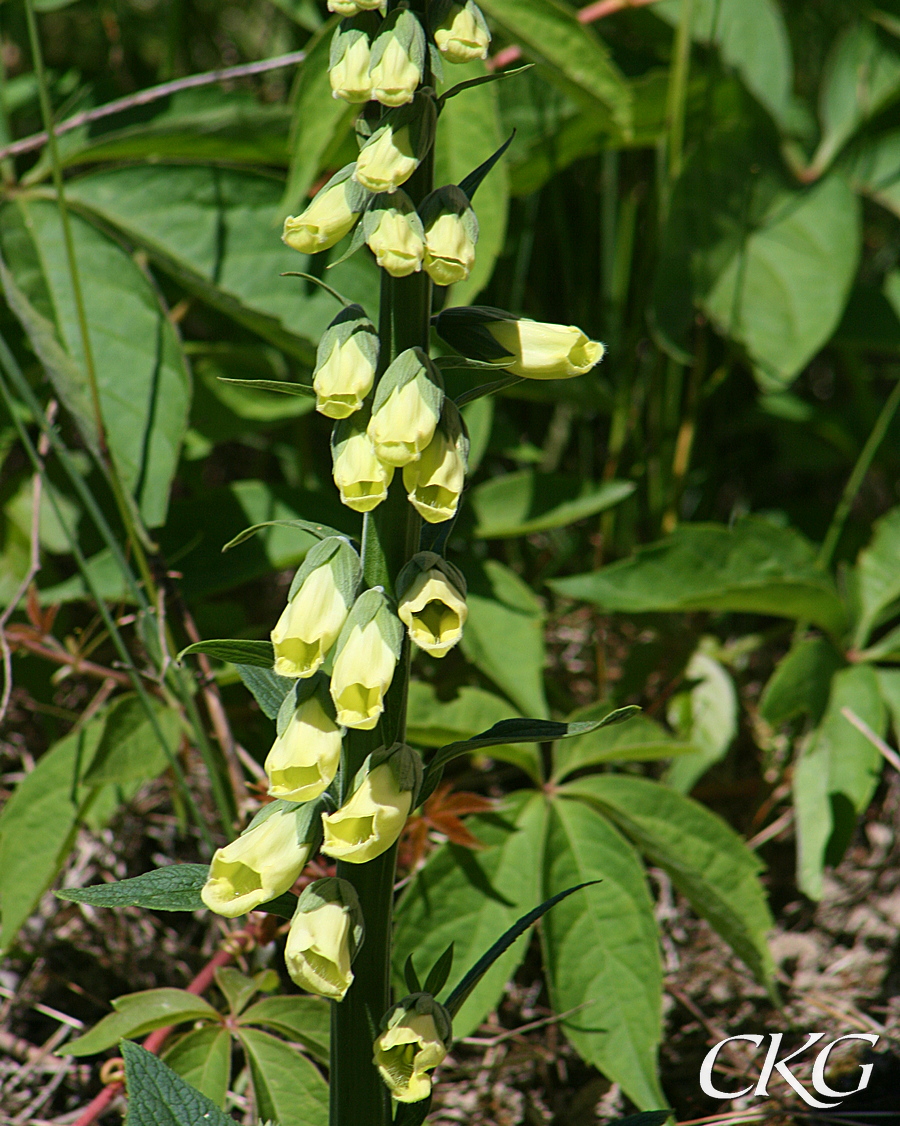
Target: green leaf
(434,723)
(129,749)
(305,1020)
(288,1089)
(647,1118)
(637,740)
(157,1096)
(468,132)
(875,170)
(878,575)
(136,1014)
(518,504)
(889,687)
(268,688)
(601,950)
(203,1059)
(578,58)
(175,887)
(505,618)
(705,716)
(753,567)
(471,898)
(319,531)
(801,682)
(282,386)
(707,861)
(258,653)
(836,775)
(236,987)
(142,380)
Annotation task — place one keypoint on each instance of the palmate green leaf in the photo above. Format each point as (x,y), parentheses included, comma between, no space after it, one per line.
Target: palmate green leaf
(752,567)
(638,740)
(468,132)
(129,749)
(575,54)
(705,716)
(707,861)
(158,1096)
(601,950)
(136,1014)
(302,1019)
(470,899)
(288,1089)
(878,575)
(258,653)
(517,504)
(836,775)
(143,382)
(801,682)
(202,1058)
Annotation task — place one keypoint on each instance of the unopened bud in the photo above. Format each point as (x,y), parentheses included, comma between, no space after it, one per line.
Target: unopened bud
(395,149)
(398,55)
(331,215)
(346,360)
(354,7)
(348,62)
(460,31)
(451,231)
(407,407)
(394,234)
(361,477)
(325,935)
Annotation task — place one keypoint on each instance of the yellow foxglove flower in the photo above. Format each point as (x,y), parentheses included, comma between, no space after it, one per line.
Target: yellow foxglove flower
(346,360)
(414,1041)
(394,234)
(360,476)
(367,654)
(348,66)
(398,54)
(331,215)
(319,602)
(451,231)
(393,152)
(369,822)
(325,934)
(432,603)
(354,7)
(461,32)
(406,409)
(434,482)
(263,862)
(305,757)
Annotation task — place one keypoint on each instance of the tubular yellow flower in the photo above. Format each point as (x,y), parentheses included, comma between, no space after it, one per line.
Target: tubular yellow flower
(331,215)
(304,758)
(317,951)
(449,250)
(407,408)
(434,482)
(348,75)
(395,76)
(434,612)
(344,379)
(369,823)
(397,244)
(261,864)
(358,473)
(353,7)
(411,1046)
(546,351)
(387,161)
(462,34)
(362,674)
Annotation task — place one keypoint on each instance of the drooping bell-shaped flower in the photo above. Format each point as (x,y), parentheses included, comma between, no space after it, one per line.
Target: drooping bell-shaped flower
(414,1039)
(398,56)
(367,654)
(435,482)
(325,934)
(361,477)
(346,360)
(451,231)
(307,751)
(348,62)
(394,234)
(460,31)
(407,407)
(331,215)
(397,146)
(354,7)
(432,602)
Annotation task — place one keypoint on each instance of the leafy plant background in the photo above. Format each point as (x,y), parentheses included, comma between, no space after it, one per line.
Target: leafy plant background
(707,525)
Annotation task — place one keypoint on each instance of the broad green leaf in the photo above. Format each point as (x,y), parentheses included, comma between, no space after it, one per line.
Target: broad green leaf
(752,567)
(38,824)
(288,1089)
(601,950)
(470,898)
(752,38)
(158,1096)
(142,380)
(783,293)
(434,723)
(707,861)
(878,575)
(886,648)
(875,170)
(575,54)
(268,688)
(216,231)
(129,749)
(302,1019)
(136,1014)
(504,635)
(203,1059)
(468,132)
(836,775)
(636,740)
(801,682)
(517,504)
(173,888)
(258,653)
(889,687)
(236,987)
(705,716)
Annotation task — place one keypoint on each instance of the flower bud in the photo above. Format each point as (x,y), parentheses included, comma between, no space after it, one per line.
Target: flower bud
(407,407)
(394,234)
(523,347)
(432,603)
(348,62)
(325,934)
(460,31)
(307,751)
(346,360)
(434,482)
(265,860)
(398,55)
(331,215)
(451,231)
(414,1040)
(354,7)
(395,149)
(369,822)
(360,476)
(367,654)
(319,601)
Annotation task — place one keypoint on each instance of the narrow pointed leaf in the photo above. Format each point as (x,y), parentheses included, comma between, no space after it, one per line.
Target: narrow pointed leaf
(258,653)
(440,971)
(281,385)
(322,531)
